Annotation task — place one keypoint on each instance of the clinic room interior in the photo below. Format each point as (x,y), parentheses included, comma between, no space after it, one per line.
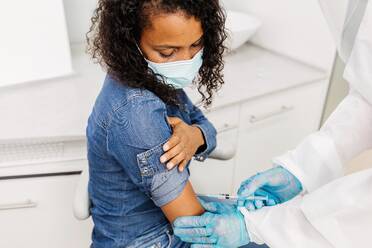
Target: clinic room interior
(147,123)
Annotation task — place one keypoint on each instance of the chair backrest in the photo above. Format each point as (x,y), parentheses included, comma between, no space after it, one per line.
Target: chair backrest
(81,205)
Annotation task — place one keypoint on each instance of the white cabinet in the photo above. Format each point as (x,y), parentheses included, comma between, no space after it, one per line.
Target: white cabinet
(269,126)
(259,129)
(37,213)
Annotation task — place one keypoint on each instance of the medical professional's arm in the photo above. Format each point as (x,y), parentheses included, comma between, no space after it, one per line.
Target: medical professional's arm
(348,131)
(280,226)
(136,141)
(319,159)
(322,156)
(283,226)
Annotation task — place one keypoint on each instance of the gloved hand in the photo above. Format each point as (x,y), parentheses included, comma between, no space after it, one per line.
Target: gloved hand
(223,226)
(277,184)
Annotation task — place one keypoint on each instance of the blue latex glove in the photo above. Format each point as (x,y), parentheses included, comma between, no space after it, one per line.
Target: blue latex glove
(222,226)
(277,184)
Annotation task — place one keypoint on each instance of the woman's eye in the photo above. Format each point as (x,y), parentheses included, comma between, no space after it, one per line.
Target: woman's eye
(166,55)
(198,44)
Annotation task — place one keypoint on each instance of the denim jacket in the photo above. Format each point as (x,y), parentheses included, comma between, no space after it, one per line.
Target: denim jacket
(128,184)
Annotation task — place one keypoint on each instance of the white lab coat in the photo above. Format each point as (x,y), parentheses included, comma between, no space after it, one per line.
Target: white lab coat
(336,210)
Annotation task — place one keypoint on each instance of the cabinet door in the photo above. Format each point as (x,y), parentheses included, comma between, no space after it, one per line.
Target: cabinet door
(214,176)
(37,213)
(274,124)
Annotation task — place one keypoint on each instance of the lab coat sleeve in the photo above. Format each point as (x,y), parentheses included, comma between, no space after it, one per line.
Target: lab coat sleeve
(336,215)
(322,156)
(283,225)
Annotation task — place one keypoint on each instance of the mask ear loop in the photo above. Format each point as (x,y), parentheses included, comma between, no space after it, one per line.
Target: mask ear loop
(139,49)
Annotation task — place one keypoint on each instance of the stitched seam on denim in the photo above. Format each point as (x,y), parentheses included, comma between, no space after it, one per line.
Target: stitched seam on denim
(132,98)
(142,161)
(115,110)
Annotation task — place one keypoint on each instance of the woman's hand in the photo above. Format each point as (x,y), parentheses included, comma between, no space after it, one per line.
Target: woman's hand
(183,144)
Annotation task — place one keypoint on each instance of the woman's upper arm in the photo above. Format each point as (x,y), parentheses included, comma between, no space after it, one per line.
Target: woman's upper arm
(208,130)
(186,204)
(137,135)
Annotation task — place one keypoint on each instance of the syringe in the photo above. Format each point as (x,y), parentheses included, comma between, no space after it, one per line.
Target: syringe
(235,197)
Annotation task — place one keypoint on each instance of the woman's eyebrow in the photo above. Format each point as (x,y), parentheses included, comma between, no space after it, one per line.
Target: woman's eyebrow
(165,46)
(198,40)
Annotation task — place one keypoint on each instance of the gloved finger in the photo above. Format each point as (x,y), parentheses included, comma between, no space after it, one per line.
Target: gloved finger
(271,202)
(258,204)
(251,186)
(269,196)
(209,206)
(193,232)
(244,184)
(199,240)
(250,206)
(192,221)
(203,246)
(217,207)
(241,203)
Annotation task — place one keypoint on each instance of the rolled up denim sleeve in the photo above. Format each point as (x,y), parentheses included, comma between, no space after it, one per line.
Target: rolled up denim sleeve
(137,135)
(164,185)
(209,132)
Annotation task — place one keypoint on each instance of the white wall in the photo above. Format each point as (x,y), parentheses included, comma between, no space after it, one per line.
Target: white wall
(79,13)
(32,31)
(291,27)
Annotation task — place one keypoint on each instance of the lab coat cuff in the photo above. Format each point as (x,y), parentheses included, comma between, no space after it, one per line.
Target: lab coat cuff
(286,162)
(251,229)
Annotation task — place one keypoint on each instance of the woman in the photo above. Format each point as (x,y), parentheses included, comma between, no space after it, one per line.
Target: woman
(151,49)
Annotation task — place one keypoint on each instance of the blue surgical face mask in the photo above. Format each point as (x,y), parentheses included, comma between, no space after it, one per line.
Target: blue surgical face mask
(180,74)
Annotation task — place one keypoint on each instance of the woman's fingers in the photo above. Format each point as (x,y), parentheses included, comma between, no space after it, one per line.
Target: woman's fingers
(176,160)
(172,153)
(173,121)
(183,165)
(172,142)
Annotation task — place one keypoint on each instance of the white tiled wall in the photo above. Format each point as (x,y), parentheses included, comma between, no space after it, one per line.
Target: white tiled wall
(291,27)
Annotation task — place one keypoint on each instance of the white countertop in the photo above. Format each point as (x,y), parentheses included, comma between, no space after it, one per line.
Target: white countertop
(252,72)
(60,107)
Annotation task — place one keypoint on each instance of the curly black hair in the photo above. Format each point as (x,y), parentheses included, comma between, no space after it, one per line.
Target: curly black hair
(116,30)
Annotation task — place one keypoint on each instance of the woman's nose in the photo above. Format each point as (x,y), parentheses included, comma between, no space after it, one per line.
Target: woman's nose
(186,55)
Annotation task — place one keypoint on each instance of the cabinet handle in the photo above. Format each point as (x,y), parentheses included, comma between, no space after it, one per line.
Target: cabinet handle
(282,110)
(226,127)
(27,204)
